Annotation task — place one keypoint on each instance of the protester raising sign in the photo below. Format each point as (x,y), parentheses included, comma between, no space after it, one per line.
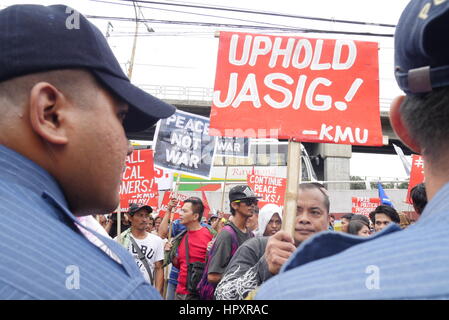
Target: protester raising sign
(166,199)
(271,189)
(416,174)
(183,144)
(363,205)
(138,181)
(314,90)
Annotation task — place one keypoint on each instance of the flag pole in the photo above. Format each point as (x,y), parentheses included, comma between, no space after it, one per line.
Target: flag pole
(293,180)
(119,223)
(172,214)
(224,187)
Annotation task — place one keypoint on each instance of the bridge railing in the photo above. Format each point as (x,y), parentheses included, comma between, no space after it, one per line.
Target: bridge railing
(206,93)
(179,92)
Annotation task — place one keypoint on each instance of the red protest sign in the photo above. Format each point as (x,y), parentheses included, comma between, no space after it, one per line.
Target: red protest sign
(166,199)
(364,205)
(313,90)
(271,189)
(416,174)
(138,181)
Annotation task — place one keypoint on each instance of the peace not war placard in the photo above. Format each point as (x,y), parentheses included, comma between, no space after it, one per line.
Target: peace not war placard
(183,144)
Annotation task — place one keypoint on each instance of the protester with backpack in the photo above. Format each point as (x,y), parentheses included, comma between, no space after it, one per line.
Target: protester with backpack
(188,250)
(243,203)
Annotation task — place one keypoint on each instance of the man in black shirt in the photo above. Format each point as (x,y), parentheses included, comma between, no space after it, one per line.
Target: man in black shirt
(243,204)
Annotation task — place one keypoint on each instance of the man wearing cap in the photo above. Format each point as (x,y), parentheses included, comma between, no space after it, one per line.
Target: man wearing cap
(413,263)
(243,202)
(146,248)
(65,107)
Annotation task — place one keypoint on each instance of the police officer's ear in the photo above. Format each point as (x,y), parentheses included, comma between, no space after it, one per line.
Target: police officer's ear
(48,113)
(399,126)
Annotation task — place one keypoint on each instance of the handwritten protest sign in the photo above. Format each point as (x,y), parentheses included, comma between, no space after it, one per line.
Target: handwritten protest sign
(416,174)
(313,90)
(166,199)
(183,144)
(271,189)
(364,205)
(138,180)
(231,146)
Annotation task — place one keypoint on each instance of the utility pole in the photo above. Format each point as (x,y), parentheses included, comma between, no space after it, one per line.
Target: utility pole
(109,29)
(133,52)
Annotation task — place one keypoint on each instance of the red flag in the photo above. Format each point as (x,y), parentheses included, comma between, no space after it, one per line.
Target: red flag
(416,174)
(206,205)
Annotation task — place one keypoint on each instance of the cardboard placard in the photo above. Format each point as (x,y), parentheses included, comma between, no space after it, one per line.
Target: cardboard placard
(271,189)
(138,180)
(311,90)
(232,147)
(166,199)
(364,205)
(183,144)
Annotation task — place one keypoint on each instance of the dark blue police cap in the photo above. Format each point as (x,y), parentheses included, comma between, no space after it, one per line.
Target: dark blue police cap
(422,46)
(35,38)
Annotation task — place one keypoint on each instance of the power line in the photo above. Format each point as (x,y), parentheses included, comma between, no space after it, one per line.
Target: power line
(198,14)
(264,13)
(239,26)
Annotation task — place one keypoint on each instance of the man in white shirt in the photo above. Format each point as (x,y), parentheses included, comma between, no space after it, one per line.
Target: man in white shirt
(146,248)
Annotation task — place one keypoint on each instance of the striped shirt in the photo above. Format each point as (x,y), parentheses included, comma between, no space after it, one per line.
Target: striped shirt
(408,264)
(43,255)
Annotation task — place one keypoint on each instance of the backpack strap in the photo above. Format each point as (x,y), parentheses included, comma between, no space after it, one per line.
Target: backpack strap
(234,238)
(187,248)
(142,259)
(169,255)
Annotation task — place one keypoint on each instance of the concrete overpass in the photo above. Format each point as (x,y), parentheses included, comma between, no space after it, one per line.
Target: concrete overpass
(202,107)
(330,161)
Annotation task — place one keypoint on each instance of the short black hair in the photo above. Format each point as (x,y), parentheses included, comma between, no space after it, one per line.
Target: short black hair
(425,116)
(197,206)
(232,209)
(321,188)
(360,218)
(387,210)
(355,226)
(348,216)
(418,195)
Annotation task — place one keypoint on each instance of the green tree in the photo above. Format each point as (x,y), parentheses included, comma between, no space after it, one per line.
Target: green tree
(358,185)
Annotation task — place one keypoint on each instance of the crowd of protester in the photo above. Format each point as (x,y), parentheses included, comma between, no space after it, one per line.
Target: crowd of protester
(235,255)
(67,105)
